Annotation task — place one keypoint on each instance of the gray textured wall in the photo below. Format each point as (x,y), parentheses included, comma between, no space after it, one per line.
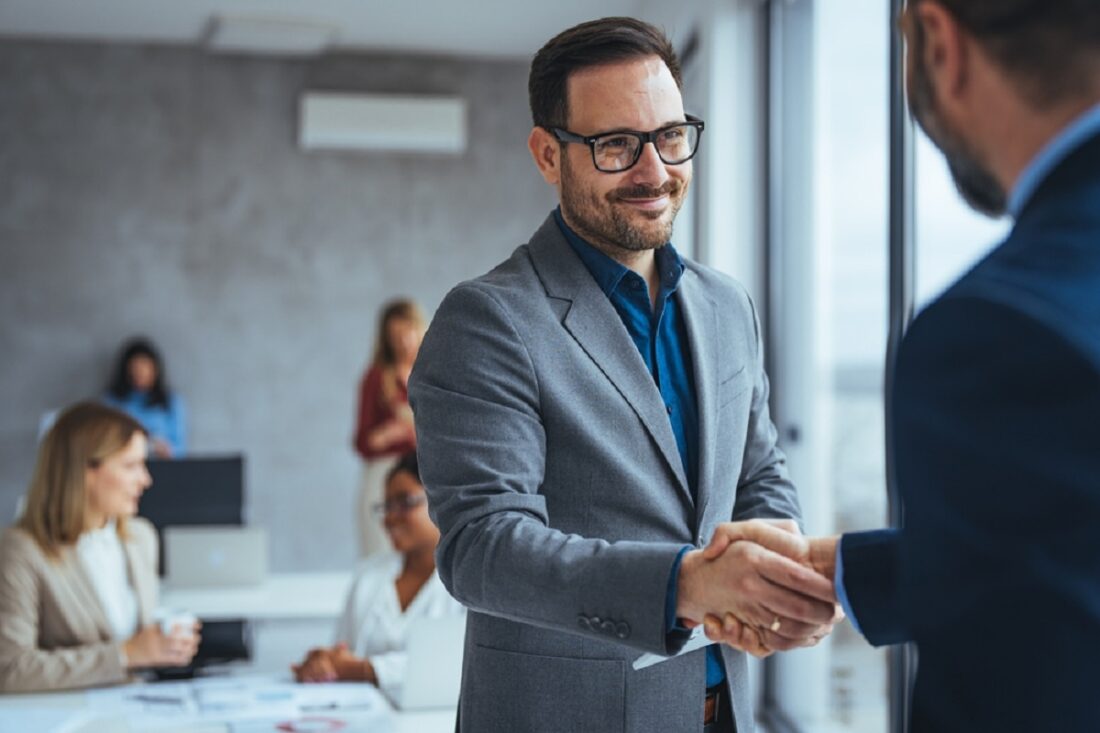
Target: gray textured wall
(160,191)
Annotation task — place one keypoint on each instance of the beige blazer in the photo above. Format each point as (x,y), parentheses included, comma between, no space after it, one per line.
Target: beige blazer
(54,633)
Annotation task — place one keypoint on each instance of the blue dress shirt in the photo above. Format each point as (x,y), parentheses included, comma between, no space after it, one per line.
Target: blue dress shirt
(659,332)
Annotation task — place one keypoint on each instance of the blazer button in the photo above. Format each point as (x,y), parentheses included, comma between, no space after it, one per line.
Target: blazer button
(623,630)
(594,622)
(584,623)
(608,627)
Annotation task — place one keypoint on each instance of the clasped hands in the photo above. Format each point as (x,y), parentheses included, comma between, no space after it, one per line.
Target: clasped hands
(329,664)
(761,587)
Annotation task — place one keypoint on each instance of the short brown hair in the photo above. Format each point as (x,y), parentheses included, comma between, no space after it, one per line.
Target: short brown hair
(1051,46)
(596,42)
(81,437)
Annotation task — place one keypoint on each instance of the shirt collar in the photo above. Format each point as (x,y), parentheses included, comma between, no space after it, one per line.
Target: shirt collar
(608,273)
(1053,153)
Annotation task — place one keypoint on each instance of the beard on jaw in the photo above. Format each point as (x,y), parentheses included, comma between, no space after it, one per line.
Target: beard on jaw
(601,220)
(978,187)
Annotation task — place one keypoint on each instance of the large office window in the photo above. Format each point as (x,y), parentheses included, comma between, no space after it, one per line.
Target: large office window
(828,306)
(828,260)
(851,198)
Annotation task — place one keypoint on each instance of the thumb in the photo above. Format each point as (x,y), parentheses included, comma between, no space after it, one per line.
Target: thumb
(778,535)
(724,535)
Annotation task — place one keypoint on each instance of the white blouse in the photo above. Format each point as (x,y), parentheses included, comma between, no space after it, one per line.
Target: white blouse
(104,560)
(373,624)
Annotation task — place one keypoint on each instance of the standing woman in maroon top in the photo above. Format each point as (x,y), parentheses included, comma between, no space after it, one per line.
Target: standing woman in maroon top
(385,426)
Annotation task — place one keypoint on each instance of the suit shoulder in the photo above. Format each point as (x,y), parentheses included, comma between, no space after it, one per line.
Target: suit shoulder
(515,274)
(18,549)
(512,280)
(15,541)
(1057,288)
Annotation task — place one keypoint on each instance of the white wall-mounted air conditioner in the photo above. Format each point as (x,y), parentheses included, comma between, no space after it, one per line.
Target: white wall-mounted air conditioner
(383,122)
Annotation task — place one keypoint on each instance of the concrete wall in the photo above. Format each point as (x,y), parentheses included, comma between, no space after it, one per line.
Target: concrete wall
(160,191)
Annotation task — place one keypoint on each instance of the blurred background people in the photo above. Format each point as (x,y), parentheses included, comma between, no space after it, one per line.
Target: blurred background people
(78,571)
(384,429)
(391,591)
(139,387)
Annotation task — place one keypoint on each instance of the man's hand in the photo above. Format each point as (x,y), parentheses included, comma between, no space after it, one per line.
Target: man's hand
(818,553)
(761,641)
(748,571)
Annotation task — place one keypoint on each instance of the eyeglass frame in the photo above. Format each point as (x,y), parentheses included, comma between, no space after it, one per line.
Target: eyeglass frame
(408,503)
(565,136)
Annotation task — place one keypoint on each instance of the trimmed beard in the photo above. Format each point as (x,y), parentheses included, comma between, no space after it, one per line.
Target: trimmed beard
(610,227)
(975,183)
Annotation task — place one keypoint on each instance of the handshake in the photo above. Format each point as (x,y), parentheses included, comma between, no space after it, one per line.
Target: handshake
(761,587)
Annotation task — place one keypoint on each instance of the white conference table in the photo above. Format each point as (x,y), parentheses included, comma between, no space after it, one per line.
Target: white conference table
(290,613)
(280,596)
(104,711)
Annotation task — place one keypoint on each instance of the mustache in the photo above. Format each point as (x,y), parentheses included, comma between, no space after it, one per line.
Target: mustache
(671,186)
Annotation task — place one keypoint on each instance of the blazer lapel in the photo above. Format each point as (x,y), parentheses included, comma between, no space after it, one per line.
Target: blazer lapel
(595,325)
(142,582)
(85,594)
(701,321)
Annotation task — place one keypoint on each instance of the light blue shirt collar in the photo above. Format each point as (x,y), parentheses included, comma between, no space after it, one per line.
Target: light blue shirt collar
(1053,153)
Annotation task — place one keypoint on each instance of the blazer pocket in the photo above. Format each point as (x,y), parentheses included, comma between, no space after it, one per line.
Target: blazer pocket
(733,386)
(514,691)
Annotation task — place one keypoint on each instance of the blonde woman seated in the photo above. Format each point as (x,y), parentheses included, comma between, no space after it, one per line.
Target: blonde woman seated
(390,592)
(78,583)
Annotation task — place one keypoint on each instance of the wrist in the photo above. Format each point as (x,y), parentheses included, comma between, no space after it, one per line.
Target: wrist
(687,586)
(369,675)
(823,555)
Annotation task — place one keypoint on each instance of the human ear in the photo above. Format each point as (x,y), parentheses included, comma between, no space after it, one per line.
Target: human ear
(946,46)
(546,152)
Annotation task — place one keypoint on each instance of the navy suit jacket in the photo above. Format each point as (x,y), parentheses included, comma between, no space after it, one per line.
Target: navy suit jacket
(996,573)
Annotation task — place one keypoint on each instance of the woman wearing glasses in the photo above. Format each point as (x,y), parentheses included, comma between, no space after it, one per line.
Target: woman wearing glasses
(391,591)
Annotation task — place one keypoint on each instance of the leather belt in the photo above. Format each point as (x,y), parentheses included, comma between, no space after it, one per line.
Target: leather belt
(710,706)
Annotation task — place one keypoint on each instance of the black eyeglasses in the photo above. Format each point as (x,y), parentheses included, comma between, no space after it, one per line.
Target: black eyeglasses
(399,505)
(615,152)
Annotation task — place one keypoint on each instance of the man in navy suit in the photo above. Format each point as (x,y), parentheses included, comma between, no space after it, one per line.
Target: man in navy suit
(996,572)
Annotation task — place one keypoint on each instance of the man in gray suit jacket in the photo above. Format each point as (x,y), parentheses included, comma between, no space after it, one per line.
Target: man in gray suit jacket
(589,412)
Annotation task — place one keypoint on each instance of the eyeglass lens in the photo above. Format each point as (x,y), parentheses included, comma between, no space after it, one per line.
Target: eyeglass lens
(400,504)
(618,151)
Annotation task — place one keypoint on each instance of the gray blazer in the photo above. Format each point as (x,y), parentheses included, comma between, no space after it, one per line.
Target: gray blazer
(553,473)
(54,633)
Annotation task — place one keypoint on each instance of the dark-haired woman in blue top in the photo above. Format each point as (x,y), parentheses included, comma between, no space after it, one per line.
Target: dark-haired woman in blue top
(139,387)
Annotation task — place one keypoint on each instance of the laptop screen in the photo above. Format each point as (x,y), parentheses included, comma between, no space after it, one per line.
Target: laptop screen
(194,491)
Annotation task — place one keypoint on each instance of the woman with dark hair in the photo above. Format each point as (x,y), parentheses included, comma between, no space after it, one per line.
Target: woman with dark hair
(384,430)
(78,571)
(390,592)
(139,387)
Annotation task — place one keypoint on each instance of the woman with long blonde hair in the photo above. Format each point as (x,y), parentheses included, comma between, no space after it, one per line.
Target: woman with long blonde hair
(78,583)
(384,430)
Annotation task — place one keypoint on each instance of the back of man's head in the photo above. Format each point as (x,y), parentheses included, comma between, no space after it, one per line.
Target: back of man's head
(1051,48)
(597,42)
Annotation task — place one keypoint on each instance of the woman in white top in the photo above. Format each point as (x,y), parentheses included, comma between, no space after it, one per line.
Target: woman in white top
(390,591)
(78,580)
